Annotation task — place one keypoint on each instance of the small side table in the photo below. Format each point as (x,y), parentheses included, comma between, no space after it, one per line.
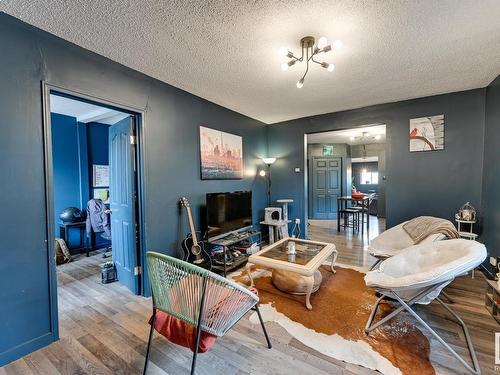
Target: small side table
(64,229)
(467,234)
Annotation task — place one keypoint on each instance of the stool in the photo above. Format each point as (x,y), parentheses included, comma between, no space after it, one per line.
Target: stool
(351,218)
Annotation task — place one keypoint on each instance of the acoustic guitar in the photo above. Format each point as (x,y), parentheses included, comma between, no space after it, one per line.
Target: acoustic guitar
(194,251)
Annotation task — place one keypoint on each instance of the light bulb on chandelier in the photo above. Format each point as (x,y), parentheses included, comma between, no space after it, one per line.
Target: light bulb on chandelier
(308,53)
(322,42)
(329,67)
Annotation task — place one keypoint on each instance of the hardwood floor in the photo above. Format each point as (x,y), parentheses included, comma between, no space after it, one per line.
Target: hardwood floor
(352,247)
(103,329)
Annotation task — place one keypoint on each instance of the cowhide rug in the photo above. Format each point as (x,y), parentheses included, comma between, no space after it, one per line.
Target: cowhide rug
(335,325)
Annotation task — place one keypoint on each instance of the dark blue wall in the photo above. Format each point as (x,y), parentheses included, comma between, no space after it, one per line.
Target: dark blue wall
(98,153)
(418,183)
(76,147)
(66,168)
(491,172)
(171,137)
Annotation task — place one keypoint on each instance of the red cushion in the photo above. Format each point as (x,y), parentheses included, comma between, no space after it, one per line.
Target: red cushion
(181,333)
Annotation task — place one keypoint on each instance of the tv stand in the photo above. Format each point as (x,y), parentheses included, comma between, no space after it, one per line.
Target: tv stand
(226,253)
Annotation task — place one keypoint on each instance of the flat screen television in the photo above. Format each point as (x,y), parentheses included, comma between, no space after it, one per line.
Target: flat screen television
(228,212)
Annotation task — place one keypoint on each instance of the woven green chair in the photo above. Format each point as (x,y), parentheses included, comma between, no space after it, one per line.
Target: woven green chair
(198,297)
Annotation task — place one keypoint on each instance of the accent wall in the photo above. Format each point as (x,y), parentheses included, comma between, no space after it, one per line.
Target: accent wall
(170,135)
(419,183)
(66,168)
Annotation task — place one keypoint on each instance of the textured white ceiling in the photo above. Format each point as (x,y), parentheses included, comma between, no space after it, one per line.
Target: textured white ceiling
(85,112)
(226,50)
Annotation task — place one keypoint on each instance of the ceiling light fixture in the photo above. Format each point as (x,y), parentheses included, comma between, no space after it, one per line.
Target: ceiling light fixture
(365,137)
(308,53)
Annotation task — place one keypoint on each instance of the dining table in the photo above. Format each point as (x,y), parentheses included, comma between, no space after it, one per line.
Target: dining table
(362,202)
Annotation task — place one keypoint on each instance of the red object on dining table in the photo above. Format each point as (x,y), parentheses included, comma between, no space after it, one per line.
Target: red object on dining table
(358,195)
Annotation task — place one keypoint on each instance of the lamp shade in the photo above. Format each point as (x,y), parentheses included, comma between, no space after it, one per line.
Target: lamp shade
(269,161)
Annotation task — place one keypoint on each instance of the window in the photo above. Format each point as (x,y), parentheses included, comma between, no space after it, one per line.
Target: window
(369,178)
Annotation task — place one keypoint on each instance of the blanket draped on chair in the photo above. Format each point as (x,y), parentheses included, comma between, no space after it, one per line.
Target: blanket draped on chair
(421,227)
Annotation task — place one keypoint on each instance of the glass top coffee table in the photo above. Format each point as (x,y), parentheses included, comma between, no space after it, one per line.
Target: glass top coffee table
(295,272)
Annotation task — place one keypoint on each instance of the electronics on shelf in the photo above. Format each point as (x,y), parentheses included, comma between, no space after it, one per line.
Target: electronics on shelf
(228,213)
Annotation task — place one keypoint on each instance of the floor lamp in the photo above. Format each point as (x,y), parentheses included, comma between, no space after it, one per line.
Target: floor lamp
(269,162)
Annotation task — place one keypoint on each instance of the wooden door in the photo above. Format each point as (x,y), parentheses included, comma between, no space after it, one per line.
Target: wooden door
(122,202)
(326,186)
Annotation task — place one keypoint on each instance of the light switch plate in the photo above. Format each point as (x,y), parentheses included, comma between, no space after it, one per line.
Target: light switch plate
(297,169)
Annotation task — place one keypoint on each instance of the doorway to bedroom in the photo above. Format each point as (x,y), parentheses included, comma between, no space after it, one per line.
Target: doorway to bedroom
(93,189)
(345,183)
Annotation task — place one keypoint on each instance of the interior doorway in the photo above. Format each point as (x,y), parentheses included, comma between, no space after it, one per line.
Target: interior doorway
(93,179)
(340,162)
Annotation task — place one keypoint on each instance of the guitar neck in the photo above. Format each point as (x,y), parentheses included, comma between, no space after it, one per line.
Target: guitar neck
(191,226)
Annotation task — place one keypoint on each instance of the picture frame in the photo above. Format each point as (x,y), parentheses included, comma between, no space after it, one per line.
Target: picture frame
(221,155)
(426,133)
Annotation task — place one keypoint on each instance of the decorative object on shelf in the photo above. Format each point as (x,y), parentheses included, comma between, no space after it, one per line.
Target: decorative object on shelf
(466,213)
(221,155)
(427,133)
(268,162)
(308,53)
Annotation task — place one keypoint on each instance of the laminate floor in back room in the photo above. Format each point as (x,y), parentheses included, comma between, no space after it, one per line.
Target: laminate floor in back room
(103,329)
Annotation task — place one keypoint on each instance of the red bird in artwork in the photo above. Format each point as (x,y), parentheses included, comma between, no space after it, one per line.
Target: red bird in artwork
(413,133)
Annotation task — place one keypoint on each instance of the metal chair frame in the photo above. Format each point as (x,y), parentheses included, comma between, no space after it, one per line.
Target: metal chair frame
(195,315)
(406,305)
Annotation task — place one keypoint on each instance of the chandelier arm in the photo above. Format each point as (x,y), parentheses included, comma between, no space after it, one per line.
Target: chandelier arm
(317,62)
(307,64)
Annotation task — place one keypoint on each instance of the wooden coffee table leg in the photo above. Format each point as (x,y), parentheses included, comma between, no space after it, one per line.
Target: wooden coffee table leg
(334,260)
(249,273)
(310,285)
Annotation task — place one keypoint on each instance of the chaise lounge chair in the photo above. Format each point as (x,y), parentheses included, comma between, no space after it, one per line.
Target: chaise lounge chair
(418,274)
